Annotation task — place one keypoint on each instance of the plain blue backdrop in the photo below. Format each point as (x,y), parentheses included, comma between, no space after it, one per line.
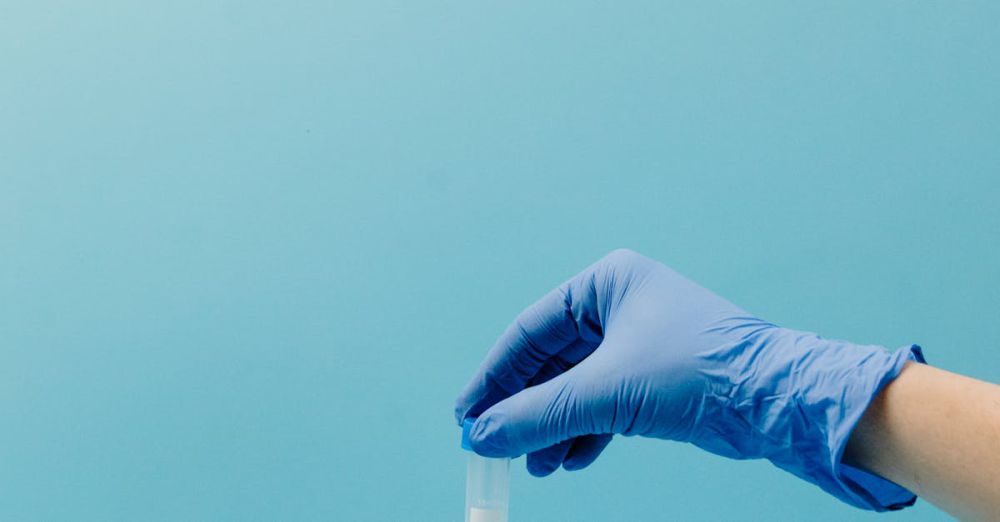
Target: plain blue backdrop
(250,251)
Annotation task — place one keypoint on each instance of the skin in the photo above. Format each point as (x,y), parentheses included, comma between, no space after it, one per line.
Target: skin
(937,434)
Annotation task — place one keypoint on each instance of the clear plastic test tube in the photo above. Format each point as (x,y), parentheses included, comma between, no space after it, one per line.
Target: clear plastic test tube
(487,484)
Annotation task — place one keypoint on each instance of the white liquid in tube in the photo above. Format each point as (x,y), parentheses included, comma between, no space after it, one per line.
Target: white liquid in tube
(486,515)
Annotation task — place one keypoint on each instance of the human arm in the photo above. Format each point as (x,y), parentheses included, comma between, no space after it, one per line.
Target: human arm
(937,434)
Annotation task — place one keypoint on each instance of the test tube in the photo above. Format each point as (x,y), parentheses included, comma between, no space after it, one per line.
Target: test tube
(487,484)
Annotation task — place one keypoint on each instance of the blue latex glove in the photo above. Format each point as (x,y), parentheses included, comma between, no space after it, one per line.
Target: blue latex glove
(629,346)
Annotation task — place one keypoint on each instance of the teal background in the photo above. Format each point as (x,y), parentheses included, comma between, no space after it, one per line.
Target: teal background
(250,251)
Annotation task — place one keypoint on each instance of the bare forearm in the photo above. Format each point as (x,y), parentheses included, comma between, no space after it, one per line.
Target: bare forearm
(937,434)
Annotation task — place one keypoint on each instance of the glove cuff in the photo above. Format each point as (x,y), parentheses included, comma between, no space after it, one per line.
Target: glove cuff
(852,485)
(864,371)
(796,403)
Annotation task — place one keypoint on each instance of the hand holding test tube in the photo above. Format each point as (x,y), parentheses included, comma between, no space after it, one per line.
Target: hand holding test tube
(631,347)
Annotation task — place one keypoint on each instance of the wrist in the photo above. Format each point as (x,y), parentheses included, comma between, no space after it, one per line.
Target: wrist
(798,397)
(844,380)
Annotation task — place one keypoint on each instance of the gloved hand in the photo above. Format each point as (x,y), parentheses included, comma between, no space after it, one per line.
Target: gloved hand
(629,346)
